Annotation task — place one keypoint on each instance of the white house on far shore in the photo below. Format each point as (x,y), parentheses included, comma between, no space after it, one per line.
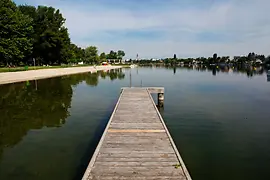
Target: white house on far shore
(258,61)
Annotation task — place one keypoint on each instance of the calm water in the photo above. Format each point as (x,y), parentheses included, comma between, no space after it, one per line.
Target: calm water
(219,119)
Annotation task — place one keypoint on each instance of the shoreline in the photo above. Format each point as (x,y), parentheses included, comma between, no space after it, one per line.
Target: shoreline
(20,76)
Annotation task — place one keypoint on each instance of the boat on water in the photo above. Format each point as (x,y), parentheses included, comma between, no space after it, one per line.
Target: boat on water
(133,66)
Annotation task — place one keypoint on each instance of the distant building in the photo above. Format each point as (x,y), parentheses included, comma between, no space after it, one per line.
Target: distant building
(258,61)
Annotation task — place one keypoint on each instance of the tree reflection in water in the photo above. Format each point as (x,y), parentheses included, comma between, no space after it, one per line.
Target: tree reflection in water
(40,103)
(250,71)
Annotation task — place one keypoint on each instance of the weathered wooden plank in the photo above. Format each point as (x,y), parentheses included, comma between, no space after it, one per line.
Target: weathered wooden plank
(136,143)
(129,111)
(135,140)
(131,141)
(136,178)
(135,130)
(136,163)
(134,151)
(127,158)
(136,126)
(132,119)
(137,171)
(141,115)
(138,134)
(137,155)
(137,149)
(150,89)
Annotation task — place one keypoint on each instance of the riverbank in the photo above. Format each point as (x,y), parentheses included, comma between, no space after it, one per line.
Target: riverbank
(29,68)
(13,77)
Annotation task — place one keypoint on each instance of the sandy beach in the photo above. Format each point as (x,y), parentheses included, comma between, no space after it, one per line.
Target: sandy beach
(12,77)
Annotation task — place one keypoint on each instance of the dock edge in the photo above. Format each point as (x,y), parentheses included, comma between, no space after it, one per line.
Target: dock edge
(171,141)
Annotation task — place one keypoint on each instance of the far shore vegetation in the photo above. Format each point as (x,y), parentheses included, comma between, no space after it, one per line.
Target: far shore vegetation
(251,59)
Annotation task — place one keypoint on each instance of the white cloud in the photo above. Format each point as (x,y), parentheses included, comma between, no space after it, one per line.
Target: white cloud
(246,22)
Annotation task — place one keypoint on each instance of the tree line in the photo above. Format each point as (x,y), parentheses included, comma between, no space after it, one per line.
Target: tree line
(252,59)
(29,33)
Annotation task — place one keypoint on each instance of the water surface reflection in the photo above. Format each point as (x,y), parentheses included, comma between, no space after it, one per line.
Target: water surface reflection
(41,103)
(249,71)
(50,128)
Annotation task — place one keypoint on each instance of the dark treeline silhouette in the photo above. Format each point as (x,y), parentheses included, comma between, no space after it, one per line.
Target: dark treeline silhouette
(251,59)
(29,33)
(250,71)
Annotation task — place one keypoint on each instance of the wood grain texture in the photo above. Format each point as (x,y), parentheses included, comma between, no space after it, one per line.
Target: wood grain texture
(136,144)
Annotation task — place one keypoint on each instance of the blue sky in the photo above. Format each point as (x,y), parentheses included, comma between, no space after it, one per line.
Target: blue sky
(161,28)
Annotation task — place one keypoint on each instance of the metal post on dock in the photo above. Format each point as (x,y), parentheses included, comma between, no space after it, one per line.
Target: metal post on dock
(130,79)
(160,99)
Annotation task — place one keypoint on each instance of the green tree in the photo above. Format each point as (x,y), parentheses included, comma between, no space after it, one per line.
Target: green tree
(261,57)
(215,57)
(62,53)
(112,55)
(242,59)
(74,54)
(30,11)
(14,30)
(267,60)
(102,56)
(250,57)
(120,54)
(91,55)
(51,40)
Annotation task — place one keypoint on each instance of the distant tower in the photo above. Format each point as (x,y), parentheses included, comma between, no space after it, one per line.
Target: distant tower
(137,57)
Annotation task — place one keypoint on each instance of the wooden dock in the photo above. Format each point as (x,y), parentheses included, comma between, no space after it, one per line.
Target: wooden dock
(136,143)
